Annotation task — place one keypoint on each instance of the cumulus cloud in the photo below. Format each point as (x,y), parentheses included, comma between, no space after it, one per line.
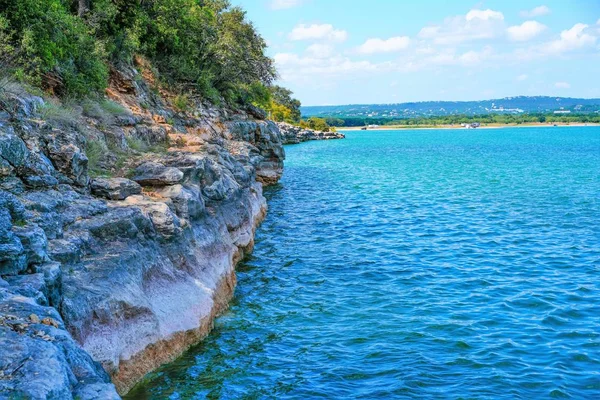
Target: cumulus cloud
(390,45)
(293,67)
(285,4)
(484,15)
(451,57)
(318,32)
(475,25)
(319,50)
(535,12)
(562,85)
(570,39)
(526,31)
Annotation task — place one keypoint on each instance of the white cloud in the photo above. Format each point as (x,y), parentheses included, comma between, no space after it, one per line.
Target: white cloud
(319,50)
(285,4)
(522,77)
(570,39)
(535,12)
(390,45)
(450,57)
(526,31)
(318,32)
(293,67)
(562,85)
(475,25)
(484,15)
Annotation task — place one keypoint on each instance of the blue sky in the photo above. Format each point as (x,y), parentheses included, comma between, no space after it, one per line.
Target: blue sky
(391,51)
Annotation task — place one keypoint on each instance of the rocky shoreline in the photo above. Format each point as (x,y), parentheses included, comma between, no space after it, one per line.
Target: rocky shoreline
(293,134)
(105,278)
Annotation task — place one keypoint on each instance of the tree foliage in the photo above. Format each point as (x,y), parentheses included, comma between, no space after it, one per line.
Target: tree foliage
(516,119)
(202,46)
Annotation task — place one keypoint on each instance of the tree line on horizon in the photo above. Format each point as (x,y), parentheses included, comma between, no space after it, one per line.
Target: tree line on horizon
(204,48)
(461,119)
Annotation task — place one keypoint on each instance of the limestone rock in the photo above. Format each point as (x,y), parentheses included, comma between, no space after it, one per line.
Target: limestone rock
(294,134)
(43,361)
(187,200)
(156,174)
(164,220)
(34,241)
(114,188)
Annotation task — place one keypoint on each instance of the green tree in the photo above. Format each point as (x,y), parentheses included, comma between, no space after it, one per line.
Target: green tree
(284,97)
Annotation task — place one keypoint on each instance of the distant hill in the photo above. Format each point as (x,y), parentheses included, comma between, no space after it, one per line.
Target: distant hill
(509,105)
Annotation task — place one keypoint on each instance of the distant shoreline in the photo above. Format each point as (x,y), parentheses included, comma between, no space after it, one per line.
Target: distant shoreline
(458,126)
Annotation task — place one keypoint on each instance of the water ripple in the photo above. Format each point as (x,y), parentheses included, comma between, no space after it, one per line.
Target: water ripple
(414,264)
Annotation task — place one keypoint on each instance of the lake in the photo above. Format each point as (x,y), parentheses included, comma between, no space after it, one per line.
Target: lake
(415,264)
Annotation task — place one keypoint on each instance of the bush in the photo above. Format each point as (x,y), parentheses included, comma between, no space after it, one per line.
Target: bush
(181,102)
(201,47)
(53,48)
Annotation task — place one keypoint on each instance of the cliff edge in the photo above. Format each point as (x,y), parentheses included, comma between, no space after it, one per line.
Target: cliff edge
(120,229)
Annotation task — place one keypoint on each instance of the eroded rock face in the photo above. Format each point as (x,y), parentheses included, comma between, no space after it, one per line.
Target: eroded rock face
(114,188)
(109,278)
(156,174)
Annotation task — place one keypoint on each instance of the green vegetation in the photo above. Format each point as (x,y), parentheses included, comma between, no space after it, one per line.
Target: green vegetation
(59,113)
(317,124)
(94,151)
(203,47)
(283,106)
(489,119)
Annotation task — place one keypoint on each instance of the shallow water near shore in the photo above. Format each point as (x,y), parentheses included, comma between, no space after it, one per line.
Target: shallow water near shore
(415,264)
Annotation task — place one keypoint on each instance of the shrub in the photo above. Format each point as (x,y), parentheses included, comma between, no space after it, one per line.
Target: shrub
(53,48)
(181,102)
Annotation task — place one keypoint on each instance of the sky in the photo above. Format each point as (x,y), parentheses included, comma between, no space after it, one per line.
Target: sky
(332,52)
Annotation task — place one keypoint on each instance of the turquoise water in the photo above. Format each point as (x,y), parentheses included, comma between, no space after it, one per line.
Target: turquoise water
(459,264)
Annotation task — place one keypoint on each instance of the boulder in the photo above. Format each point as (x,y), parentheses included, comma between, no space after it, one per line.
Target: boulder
(114,188)
(164,220)
(187,200)
(53,281)
(156,174)
(34,241)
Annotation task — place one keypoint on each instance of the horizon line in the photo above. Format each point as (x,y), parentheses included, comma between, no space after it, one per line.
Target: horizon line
(451,101)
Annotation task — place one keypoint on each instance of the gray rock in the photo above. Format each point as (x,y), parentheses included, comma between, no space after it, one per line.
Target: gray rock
(293,134)
(52,280)
(12,184)
(32,286)
(34,241)
(256,112)
(65,150)
(155,174)
(114,188)
(38,357)
(187,200)
(164,220)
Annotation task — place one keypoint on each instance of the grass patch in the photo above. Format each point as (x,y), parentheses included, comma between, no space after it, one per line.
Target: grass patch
(58,113)
(113,108)
(181,102)
(94,150)
(143,147)
(104,111)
